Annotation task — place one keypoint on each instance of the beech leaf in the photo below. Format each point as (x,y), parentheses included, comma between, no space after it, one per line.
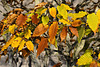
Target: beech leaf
(45,20)
(11,28)
(34,18)
(42,45)
(21,45)
(74,31)
(28,34)
(52,12)
(30,45)
(40,29)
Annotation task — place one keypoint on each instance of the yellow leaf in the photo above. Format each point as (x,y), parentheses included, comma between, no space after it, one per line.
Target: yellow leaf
(16,42)
(62,11)
(52,12)
(64,22)
(98,56)
(85,59)
(11,28)
(28,34)
(30,45)
(43,11)
(66,6)
(93,22)
(98,14)
(77,15)
(8,43)
(21,45)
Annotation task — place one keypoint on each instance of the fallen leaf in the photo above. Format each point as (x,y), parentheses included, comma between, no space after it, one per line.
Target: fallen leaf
(76,23)
(40,5)
(57,65)
(11,28)
(40,29)
(21,19)
(99,56)
(74,31)
(98,14)
(63,33)
(52,12)
(53,30)
(93,22)
(64,21)
(42,45)
(34,18)
(43,11)
(25,53)
(30,45)
(66,6)
(93,64)
(45,20)
(21,45)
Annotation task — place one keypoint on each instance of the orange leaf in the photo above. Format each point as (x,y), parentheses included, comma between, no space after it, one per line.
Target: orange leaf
(93,64)
(40,5)
(52,41)
(57,65)
(63,33)
(52,12)
(53,30)
(21,19)
(76,23)
(42,45)
(40,29)
(25,53)
(34,18)
(74,31)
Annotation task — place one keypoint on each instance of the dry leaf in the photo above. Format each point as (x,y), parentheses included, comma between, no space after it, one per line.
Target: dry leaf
(34,18)
(93,64)
(53,30)
(52,12)
(40,29)
(76,23)
(42,45)
(21,19)
(74,31)
(63,33)
(40,5)
(57,65)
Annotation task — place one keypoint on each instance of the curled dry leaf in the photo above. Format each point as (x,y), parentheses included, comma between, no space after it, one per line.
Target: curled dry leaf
(53,30)
(34,18)
(21,19)
(74,31)
(76,23)
(40,29)
(63,33)
(93,64)
(42,45)
(40,5)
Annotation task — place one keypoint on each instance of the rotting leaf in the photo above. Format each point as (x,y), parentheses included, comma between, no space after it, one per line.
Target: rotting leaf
(52,12)
(34,18)
(40,29)
(30,45)
(21,19)
(63,33)
(42,45)
(74,31)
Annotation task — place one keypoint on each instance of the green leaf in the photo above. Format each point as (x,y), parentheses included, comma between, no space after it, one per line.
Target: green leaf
(45,20)
(81,32)
(88,31)
(62,11)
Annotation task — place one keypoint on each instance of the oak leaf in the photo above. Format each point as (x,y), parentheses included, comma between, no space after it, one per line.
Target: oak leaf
(63,33)
(21,19)
(74,31)
(52,12)
(30,45)
(40,29)
(42,45)
(34,18)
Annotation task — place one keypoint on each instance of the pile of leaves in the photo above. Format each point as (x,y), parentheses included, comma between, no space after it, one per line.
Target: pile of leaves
(37,30)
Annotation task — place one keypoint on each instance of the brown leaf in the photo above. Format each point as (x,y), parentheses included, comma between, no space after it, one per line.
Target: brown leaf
(63,33)
(57,65)
(37,41)
(18,9)
(42,45)
(76,23)
(40,29)
(25,53)
(21,19)
(74,31)
(40,5)
(93,64)
(53,30)
(34,18)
